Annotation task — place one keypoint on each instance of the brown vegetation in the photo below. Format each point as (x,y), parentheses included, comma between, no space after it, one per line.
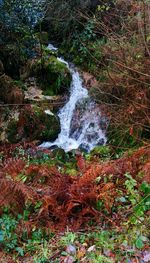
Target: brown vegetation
(121,62)
(67,200)
(9,92)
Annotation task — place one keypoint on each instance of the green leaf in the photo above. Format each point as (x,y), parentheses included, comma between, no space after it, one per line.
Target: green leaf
(145,187)
(139,243)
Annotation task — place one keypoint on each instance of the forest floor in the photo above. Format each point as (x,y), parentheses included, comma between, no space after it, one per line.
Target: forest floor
(72,207)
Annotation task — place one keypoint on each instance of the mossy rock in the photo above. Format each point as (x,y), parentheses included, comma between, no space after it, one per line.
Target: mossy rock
(52,126)
(33,124)
(53,76)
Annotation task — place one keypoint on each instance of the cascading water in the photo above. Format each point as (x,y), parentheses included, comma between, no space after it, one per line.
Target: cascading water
(82,125)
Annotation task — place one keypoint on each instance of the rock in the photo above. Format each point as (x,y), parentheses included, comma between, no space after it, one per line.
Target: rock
(52,75)
(59,153)
(28,124)
(40,125)
(84,147)
(51,126)
(35,94)
(54,147)
(9,92)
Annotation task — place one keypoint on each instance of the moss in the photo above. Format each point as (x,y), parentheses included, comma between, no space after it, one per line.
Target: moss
(33,124)
(52,127)
(53,76)
(39,125)
(49,123)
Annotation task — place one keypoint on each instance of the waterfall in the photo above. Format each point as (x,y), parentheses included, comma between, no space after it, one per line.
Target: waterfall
(82,125)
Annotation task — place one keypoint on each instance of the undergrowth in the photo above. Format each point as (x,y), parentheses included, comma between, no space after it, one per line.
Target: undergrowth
(100,202)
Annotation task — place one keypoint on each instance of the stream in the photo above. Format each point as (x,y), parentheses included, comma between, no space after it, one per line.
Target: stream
(82,125)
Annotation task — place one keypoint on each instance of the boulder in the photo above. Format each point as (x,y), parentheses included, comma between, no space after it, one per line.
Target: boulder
(33,123)
(52,76)
(59,154)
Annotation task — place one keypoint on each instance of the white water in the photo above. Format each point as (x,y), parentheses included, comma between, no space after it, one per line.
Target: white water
(80,126)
